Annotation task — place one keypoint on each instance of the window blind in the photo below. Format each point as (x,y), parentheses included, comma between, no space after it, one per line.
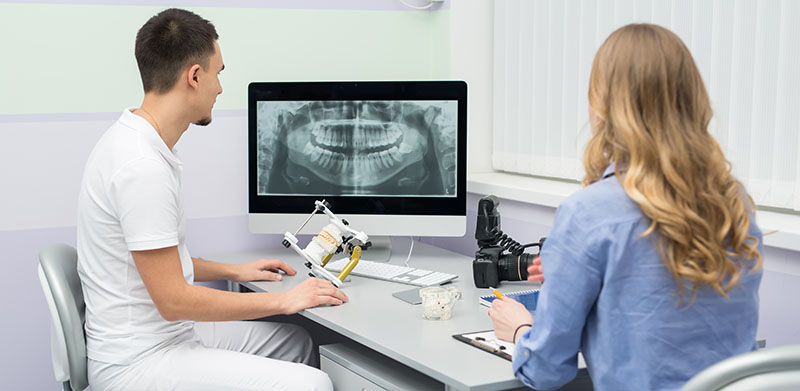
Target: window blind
(748,53)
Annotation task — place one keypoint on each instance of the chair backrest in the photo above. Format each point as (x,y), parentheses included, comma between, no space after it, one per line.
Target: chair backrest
(58,272)
(773,369)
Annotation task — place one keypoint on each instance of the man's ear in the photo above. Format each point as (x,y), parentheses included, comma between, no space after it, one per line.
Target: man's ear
(193,76)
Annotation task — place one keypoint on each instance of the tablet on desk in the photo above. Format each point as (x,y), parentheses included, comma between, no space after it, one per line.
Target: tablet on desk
(410,296)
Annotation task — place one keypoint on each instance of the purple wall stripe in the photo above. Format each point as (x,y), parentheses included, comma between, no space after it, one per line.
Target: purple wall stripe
(99,116)
(58,117)
(369,5)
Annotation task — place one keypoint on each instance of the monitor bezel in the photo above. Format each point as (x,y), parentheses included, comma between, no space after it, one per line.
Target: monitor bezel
(360,90)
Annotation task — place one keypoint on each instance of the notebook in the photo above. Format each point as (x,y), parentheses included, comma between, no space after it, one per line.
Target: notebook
(527,298)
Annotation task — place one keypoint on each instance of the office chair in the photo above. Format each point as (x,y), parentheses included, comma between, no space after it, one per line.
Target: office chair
(774,369)
(58,274)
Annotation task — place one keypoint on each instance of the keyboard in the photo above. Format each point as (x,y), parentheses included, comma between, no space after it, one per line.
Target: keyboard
(394,273)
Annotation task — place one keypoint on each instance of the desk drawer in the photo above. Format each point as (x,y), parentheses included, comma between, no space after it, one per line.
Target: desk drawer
(345,380)
(352,366)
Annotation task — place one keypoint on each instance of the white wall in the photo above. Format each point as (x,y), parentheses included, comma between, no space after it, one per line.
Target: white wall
(471,60)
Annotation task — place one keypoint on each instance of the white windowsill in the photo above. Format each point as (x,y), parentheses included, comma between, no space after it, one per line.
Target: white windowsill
(545,192)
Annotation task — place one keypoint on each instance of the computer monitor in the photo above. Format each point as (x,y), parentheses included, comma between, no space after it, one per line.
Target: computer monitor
(389,157)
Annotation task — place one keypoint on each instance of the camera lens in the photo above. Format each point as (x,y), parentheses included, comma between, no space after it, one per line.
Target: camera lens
(514,268)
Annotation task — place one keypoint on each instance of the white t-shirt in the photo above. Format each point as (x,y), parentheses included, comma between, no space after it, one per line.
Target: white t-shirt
(130,200)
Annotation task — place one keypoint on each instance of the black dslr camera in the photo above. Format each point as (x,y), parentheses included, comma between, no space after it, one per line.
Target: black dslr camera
(491,264)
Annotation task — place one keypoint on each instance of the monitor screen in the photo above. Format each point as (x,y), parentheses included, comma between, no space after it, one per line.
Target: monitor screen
(388,156)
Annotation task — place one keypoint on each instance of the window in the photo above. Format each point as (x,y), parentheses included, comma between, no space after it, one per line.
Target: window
(748,53)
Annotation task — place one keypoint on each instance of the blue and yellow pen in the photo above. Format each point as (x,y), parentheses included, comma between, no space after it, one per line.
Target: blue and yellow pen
(496,292)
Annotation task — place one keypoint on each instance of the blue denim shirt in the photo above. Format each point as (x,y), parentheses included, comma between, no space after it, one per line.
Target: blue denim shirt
(608,294)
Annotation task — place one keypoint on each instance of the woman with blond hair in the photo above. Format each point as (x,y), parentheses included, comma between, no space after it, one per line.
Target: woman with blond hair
(652,270)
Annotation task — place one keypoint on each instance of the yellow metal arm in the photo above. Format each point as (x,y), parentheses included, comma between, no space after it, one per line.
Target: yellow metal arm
(326,259)
(354,257)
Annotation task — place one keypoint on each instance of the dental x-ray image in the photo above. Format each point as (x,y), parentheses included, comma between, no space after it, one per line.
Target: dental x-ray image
(382,148)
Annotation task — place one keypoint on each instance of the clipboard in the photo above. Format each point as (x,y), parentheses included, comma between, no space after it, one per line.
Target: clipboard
(487,341)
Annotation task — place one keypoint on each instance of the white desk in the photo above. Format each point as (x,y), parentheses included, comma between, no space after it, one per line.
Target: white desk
(396,329)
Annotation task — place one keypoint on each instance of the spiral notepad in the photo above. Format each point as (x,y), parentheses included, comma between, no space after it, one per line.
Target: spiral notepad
(527,298)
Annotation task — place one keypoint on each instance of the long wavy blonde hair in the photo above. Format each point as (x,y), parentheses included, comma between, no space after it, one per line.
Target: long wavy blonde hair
(651,114)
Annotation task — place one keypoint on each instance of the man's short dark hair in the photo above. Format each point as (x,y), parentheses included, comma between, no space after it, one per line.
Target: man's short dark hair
(168,43)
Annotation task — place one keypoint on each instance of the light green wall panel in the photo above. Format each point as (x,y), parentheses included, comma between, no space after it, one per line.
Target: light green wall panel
(79,58)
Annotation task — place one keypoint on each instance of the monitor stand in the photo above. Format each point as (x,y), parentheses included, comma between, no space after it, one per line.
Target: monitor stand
(380,251)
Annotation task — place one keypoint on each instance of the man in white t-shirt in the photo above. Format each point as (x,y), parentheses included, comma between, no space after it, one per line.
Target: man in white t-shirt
(148,327)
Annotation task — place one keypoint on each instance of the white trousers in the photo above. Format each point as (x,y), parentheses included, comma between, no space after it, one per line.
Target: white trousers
(226,356)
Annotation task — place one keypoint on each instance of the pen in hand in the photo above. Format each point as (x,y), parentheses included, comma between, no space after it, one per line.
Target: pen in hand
(496,292)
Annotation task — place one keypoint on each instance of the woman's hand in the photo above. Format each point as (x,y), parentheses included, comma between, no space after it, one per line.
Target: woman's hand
(535,271)
(262,270)
(507,314)
(311,293)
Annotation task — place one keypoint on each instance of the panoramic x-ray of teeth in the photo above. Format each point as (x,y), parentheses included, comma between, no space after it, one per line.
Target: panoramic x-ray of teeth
(386,148)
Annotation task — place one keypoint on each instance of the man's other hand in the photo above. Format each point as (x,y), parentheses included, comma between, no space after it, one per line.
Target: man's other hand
(262,270)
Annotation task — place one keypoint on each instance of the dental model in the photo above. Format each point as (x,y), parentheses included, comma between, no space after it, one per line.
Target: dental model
(334,238)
